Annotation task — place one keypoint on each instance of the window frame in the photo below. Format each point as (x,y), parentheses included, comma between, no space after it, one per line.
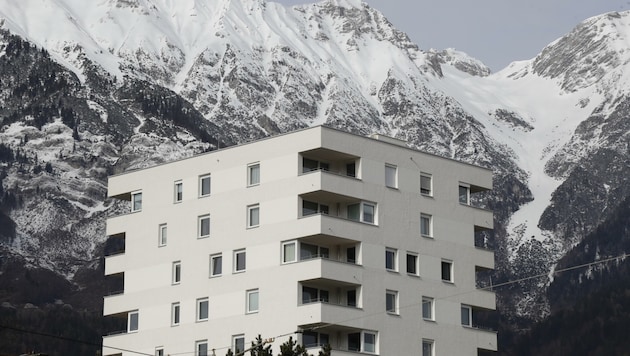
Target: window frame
(200,302)
(178,191)
(198,344)
(200,189)
(250,221)
(450,271)
(134,314)
(391,181)
(176,314)
(176,273)
(469,315)
(431,344)
(159,351)
(249,309)
(251,168)
(391,295)
(362,205)
(363,342)
(394,259)
(200,222)
(283,251)
(162,234)
(431,308)
(423,190)
(212,271)
(429,221)
(234,344)
(466,196)
(136,206)
(235,255)
(415,264)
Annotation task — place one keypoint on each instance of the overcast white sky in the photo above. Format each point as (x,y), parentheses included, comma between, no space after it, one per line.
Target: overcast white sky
(496,32)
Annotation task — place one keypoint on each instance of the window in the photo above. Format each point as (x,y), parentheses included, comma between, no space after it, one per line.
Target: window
(314,339)
(364,212)
(447,271)
(369,342)
(314,295)
(178,192)
(202,309)
(252,301)
(239,261)
(132,321)
(201,348)
(412,263)
(351,170)
(136,202)
(308,251)
(253,215)
(426,184)
(216,265)
(162,235)
(159,351)
(427,308)
(390,259)
(175,309)
(425,225)
(427,347)
(391,302)
(310,208)
(177,272)
(364,341)
(204,185)
(253,174)
(464,194)
(351,296)
(351,255)
(238,344)
(391,173)
(289,252)
(466,315)
(204,226)
(309,165)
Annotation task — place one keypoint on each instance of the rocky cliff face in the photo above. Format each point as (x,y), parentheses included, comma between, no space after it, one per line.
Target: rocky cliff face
(129,84)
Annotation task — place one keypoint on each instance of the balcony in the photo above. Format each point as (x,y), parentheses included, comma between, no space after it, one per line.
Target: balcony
(330,161)
(324,246)
(484,238)
(343,340)
(115,264)
(115,245)
(339,206)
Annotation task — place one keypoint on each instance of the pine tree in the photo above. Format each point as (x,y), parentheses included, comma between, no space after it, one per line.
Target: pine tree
(258,348)
(291,348)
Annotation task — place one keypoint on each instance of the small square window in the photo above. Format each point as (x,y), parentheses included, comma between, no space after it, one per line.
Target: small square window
(202,309)
(289,252)
(391,176)
(204,185)
(466,315)
(238,344)
(177,272)
(464,194)
(252,301)
(390,259)
(136,202)
(201,348)
(427,308)
(253,174)
(162,235)
(425,225)
(391,302)
(239,261)
(175,314)
(412,263)
(427,347)
(253,216)
(133,321)
(203,226)
(426,184)
(216,265)
(178,194)
(447,271)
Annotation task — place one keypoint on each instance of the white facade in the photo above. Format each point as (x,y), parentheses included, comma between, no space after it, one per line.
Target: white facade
(317,230)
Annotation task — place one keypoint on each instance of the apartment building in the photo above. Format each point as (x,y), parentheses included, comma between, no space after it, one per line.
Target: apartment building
(329,237)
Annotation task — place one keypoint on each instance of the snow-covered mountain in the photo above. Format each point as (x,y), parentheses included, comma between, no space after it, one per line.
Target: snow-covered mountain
(89,89)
